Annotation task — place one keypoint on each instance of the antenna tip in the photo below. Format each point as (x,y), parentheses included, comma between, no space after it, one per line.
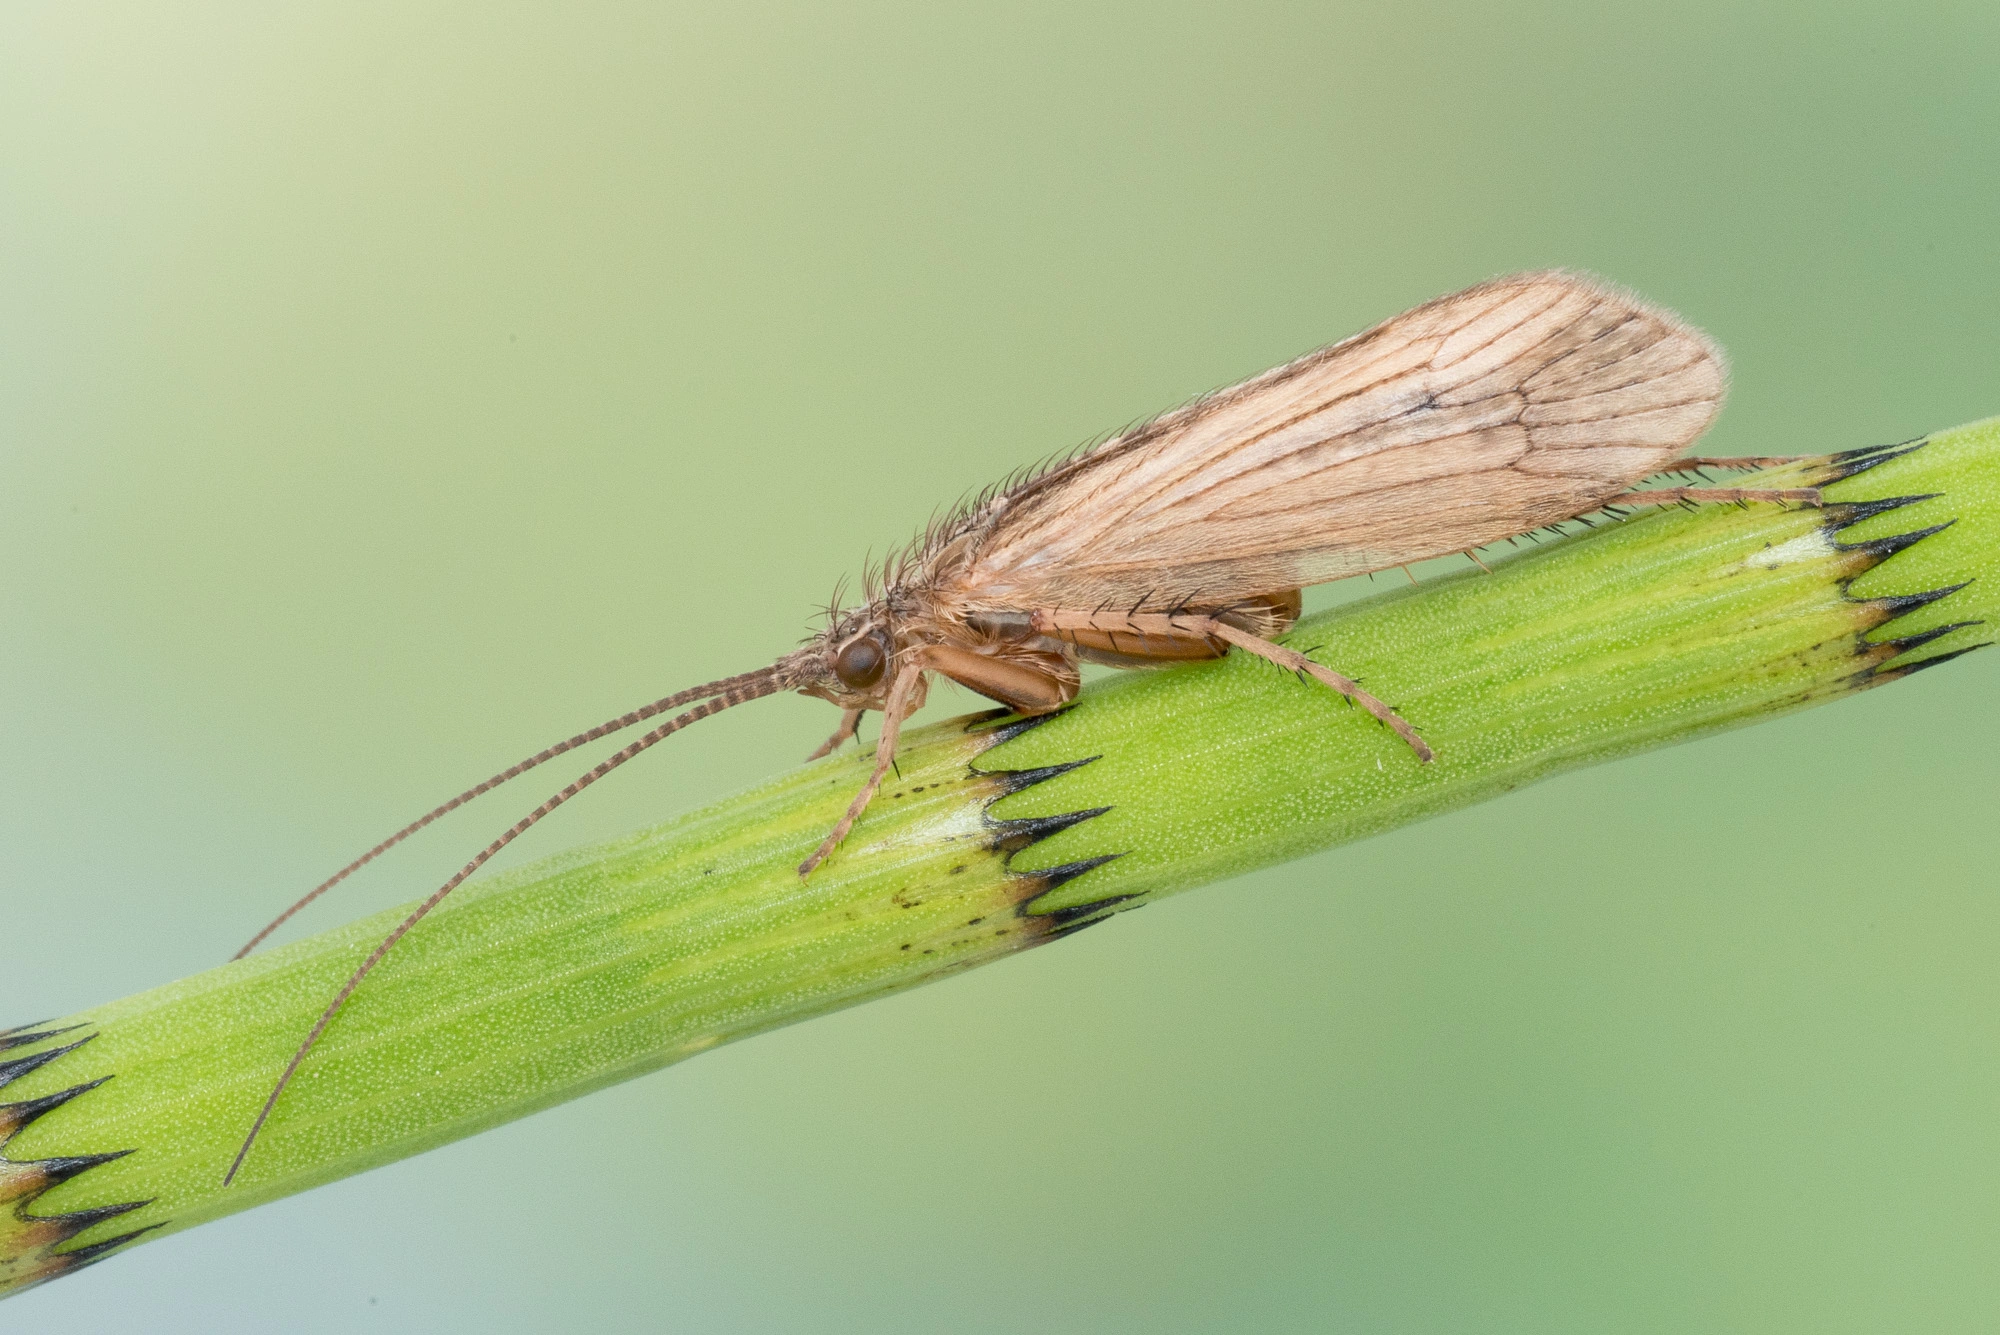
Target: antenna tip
(236,1164)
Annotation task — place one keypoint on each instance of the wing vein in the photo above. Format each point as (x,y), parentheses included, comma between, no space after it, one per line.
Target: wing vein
(1356,457)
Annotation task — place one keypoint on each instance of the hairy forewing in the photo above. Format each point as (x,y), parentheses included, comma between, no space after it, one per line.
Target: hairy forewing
(1481,415)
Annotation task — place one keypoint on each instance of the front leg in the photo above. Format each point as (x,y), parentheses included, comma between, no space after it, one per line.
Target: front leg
(850,726)
(908,674)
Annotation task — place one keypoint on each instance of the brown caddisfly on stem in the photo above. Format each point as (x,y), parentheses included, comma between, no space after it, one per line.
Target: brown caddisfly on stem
(1513,405)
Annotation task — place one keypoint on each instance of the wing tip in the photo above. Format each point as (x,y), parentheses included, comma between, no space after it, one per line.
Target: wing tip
(1600,286)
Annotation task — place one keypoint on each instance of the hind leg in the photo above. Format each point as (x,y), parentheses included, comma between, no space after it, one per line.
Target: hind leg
(1675,495)
(1738,463)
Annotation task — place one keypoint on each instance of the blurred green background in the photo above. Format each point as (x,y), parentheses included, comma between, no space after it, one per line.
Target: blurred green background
(386,390)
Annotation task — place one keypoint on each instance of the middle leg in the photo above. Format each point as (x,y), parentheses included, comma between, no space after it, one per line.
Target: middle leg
(1167,628)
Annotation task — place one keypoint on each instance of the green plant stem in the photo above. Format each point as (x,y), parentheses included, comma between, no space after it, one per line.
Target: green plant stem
(545,983)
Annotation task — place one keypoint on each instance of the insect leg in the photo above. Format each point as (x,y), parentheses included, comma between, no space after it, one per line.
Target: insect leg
(1294,661)
(1046,683)
(850,726)
(1672,495)
(1194,627)
(1738,462)
(893,709)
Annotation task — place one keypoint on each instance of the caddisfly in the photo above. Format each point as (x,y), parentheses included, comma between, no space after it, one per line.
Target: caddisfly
(1516,404)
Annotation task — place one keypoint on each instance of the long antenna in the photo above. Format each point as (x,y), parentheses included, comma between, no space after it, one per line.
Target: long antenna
(605,729)
(750,686)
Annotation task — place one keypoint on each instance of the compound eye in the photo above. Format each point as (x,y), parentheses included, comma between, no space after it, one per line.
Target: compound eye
(860,662)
